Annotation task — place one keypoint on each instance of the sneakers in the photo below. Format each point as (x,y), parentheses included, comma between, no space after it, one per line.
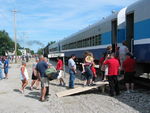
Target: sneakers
(132,91)
(31,88)
(127,91)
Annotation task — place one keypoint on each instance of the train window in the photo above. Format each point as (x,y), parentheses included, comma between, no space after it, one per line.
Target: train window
(98,40)
(88,42)
(93,41)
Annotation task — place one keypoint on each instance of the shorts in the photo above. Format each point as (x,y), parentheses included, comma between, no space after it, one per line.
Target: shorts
(60,74)
(34,77)
(44,82)
(6,70)
(129,77)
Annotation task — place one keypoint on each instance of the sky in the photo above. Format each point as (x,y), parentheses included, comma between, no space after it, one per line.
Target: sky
(41,21)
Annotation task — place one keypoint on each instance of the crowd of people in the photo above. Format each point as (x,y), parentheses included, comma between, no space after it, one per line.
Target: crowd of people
(111,64)
(4,67)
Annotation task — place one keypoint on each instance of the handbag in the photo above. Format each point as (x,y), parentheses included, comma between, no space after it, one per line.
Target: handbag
(51,73)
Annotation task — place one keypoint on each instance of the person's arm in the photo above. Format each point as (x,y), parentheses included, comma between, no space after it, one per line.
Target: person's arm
(74,69)
(83,69)
(73,66)
(22,71)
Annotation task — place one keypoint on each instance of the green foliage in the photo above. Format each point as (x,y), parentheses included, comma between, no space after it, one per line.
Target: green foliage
(6,43)
(19,53)
(40,51)
(51,42)
(32,52)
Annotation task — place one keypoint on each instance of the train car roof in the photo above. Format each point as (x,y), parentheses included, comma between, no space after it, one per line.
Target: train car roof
(135,5)
(105,20)
(140,9)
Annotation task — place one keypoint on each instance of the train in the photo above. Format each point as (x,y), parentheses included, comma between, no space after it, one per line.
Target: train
(131,23)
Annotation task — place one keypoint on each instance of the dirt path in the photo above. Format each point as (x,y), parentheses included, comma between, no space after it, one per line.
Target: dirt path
(12,101)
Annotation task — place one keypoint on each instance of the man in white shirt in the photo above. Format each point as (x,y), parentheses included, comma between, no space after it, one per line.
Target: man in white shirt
(72,70)
(123,50)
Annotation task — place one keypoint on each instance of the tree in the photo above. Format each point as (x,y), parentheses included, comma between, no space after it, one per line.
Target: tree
(40,51)
(6,43)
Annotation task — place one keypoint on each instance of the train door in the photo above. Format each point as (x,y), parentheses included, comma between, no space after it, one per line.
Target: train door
(114,34)
(130,31)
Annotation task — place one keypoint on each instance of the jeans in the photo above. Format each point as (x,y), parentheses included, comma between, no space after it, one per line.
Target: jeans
(72,78)
(1,74)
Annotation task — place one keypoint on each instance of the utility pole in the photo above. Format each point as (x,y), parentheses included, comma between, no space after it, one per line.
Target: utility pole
(15,35)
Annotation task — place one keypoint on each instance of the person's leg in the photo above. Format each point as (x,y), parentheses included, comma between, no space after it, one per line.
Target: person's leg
(25,84)
(132,80)
(6,73)
(32,83)
(43,88)
(93,80)
(71,79)
(47,90)
(89,74)
(117,89)
(111,85)
(132,86)
(47,87)
(103,74)
(127,86)
(1,74)
(43,93)
(37,83)
(21,90)
(62,81)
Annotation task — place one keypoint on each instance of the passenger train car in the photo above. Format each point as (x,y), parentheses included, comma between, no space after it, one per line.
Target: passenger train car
(131,24)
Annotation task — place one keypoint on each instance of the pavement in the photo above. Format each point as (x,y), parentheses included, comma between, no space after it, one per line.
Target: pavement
(12,101)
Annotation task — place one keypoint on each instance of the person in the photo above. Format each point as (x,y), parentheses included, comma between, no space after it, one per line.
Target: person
(88,63)
(72,70)
(35,79)
(49,66)
(129,67)
(123,50)
(1,67)
(24,76)
(109,50)
(94,74)
(41,67)
(6,66)
(102,67)
(113,68)
(59,67)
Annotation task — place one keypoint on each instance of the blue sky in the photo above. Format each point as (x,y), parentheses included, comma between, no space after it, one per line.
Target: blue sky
(53,20)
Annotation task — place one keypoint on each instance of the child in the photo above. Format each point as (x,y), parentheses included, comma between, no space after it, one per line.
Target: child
(24,76)
(129,68)
(94,74)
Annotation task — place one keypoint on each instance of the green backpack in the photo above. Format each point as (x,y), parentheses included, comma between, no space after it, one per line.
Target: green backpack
(50,71)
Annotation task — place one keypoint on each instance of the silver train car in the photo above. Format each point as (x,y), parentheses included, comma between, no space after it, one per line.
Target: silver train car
(131,24)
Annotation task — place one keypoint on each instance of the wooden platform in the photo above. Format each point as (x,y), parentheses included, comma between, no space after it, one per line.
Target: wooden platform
(80,89)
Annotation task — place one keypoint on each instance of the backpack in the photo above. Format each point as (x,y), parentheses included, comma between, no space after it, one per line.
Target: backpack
(51,73)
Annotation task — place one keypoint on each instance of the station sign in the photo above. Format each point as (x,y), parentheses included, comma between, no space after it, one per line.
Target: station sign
(54,55)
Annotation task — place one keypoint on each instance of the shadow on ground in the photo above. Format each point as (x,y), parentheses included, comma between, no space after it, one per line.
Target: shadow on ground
(33,95)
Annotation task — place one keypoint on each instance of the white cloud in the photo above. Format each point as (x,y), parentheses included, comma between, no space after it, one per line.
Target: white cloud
(41,17)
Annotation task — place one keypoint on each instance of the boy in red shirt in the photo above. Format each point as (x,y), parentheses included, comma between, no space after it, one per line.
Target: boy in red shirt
(59,67)
(129,68)
(113,68)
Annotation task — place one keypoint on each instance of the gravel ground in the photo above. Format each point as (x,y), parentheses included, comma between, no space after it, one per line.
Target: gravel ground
(12,101)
